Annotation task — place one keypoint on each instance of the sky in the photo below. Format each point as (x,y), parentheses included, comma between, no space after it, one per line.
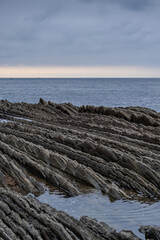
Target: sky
(79,38)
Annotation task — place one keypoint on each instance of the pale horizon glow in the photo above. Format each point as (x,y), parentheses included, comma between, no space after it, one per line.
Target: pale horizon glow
(79,72)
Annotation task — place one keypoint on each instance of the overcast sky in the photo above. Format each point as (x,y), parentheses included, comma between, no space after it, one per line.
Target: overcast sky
(80,33)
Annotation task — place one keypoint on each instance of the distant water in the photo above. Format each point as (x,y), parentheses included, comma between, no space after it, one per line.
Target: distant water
(107,92)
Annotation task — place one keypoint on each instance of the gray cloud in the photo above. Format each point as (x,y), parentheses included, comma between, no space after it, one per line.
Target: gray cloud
(79,32)
(135,4)
(130,4)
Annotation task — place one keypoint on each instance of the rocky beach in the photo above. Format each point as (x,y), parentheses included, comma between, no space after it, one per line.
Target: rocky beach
(74,149)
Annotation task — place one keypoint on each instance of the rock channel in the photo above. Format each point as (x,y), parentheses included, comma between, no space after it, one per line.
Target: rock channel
(115,150)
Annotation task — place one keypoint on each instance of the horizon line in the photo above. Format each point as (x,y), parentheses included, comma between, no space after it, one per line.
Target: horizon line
(79,72)
(79,78)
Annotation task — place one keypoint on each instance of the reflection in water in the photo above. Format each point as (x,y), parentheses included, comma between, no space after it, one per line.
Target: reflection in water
(4,120)
(128,215)
(21,118)
(18,118)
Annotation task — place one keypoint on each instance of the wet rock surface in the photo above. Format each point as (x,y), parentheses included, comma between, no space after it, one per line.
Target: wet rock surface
(115,150)
(150,232)
(27,218)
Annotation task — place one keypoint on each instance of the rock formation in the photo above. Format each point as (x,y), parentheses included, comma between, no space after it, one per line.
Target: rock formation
(115,150)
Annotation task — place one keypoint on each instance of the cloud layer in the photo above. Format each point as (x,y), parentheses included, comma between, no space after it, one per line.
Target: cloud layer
(80,32)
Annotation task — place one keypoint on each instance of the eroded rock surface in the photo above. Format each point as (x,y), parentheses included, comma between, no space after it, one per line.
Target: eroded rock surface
(115,150)
(106,148)
(27,218)
(151,232)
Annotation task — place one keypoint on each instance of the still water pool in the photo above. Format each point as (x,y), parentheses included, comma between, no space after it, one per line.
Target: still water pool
(126,215)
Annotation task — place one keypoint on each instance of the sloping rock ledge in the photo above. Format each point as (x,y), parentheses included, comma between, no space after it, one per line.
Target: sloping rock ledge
(115,150)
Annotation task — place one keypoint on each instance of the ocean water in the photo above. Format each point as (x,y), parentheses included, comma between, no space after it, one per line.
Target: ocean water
(84,91)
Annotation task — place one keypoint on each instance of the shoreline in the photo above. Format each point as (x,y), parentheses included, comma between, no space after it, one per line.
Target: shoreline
(113,150)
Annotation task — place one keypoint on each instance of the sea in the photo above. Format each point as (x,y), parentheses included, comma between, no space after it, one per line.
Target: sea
(110,92)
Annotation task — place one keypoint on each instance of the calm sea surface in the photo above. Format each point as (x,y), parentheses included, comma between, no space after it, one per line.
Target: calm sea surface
(107,92)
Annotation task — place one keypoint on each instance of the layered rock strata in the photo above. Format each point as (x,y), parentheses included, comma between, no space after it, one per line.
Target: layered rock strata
(115,150)
(110,149)
(27,218)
